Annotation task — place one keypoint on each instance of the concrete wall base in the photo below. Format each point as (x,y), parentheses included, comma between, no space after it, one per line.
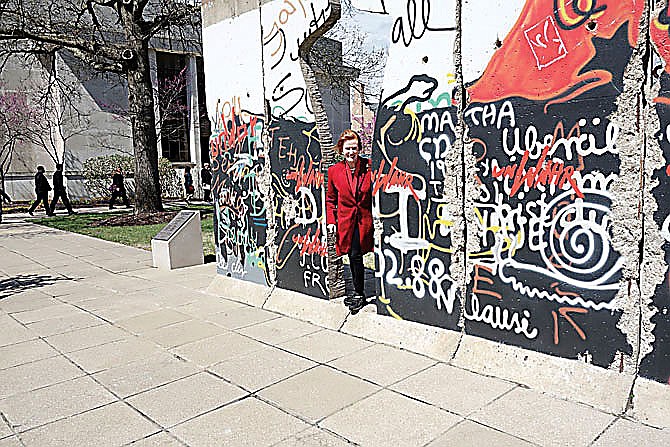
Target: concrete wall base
(437,343)
(563,378)
(568,379)
(328,314)
(651,403)
(237,290)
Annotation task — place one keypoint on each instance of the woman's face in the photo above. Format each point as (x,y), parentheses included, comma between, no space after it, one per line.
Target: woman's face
(350,150)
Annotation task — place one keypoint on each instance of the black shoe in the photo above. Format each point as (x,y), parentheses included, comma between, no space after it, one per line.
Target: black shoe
(31,213)
(357,304)
(70,213)
(349,300)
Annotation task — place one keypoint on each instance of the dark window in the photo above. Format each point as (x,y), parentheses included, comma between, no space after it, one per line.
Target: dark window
(172,73)
(205,125)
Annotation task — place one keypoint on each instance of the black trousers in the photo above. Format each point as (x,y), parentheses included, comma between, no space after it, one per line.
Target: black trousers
(356,263)
(41,197)
(119,193)
(63,196)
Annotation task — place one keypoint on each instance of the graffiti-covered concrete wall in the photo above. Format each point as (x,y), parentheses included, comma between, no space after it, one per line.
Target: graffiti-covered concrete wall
(520,158)
(265,148)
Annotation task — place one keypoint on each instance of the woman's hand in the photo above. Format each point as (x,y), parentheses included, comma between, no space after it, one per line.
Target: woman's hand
(332,228)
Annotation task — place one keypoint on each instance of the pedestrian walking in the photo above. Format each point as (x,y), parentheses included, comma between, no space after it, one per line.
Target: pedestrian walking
(4,198)
(206,179)
(349,212)
(42,188)
(118,189)
(59,191)
(189,189)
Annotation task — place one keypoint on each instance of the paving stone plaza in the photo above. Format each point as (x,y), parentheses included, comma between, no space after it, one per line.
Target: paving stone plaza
(98,348)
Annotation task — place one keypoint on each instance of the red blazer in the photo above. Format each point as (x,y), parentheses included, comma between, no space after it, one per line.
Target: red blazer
(349,202)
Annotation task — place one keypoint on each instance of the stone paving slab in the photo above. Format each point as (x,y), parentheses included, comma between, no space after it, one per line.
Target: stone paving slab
(182,333)
(241,317)
(313,437)
(284,365)
(26,301)
(247,423)
(41,373)
(389,366)
(110,426)
(279,330)
(13,332)
(544,420)
(625,433)
(162,439)
(152,320)
(216,349)
(65,399)
(186,398)
(472,434)
(58,310)
(5,431)
(205,305)
(145,374)
(112,354)
(389,419)
(325,346)
(86,338)
(25,352)
(318,392)
(11,442)
(452,388)
(67,323)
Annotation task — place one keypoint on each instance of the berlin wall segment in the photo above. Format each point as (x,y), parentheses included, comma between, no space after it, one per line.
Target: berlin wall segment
(655,364)
(507,154)
(268,179)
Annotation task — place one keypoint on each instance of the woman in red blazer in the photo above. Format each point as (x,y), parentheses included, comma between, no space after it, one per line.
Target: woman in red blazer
(349,211)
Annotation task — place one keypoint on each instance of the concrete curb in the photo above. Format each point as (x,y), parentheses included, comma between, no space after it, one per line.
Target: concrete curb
(568,379)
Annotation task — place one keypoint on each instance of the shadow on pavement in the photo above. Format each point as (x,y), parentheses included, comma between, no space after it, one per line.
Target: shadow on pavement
(21,283)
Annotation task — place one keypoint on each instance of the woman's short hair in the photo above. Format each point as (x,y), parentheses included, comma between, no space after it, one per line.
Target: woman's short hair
(346,136)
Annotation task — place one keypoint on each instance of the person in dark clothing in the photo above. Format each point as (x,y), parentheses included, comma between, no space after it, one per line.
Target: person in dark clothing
(42,188)
(118,189)
(3,198)
(206,178)
(59,191)
(189,189)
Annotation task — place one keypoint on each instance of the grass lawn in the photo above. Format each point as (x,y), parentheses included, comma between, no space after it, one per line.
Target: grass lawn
(135,236)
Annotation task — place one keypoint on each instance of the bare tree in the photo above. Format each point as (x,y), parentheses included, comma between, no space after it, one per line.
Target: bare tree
(356,53)
(114,36)
(16,126)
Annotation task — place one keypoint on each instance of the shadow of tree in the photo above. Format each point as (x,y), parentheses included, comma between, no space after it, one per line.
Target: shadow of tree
(21,283)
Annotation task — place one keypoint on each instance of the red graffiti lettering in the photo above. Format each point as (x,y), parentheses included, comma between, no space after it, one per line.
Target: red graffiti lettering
(394,177)
(311,244)
(312,178)
(541,174)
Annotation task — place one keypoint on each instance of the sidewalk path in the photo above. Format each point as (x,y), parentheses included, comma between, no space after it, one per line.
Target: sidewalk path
(97,348)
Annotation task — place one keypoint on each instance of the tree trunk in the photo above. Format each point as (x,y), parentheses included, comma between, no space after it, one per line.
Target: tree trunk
(142,118)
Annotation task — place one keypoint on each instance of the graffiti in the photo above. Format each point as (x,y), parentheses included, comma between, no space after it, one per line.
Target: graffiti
(550,65)
(299,207)
(546,276)
(529,156)
(288,24)
(238,158)
(545,172)
(414,24)
(408,173)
